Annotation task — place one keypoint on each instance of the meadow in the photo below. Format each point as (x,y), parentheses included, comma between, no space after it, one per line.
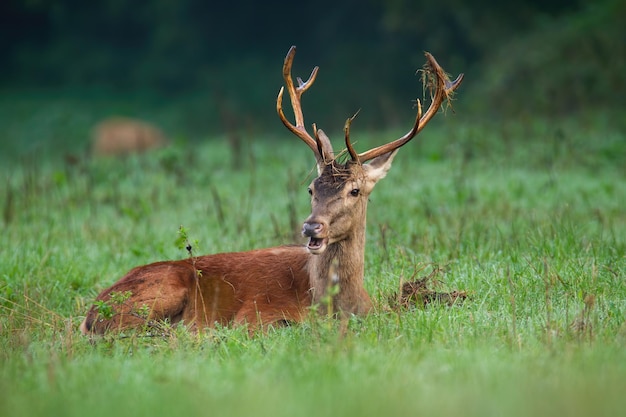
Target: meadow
(527,216)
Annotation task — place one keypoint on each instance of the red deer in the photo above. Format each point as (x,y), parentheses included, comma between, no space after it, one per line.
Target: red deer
(119,136)
(270,286)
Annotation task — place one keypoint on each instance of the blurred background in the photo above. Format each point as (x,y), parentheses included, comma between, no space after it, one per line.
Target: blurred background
(198,68)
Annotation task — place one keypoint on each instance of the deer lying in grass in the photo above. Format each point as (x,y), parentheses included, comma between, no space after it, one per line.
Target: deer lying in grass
(269,286)
(119,136)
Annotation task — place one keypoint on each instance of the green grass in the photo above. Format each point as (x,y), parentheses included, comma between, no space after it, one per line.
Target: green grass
(528,218)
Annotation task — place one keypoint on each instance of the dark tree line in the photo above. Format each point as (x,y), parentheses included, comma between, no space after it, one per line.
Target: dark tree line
(177,43)
(236,47)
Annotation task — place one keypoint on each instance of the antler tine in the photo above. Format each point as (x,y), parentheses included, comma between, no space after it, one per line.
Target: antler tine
(295,95)
(443,87)
(443,90)
(346,129)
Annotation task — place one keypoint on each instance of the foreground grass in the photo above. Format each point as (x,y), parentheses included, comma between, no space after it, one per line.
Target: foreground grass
(528,219)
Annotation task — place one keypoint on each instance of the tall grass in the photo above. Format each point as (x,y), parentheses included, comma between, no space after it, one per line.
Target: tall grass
(529,219)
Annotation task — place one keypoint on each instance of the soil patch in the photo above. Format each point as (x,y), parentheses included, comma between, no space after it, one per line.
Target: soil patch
(422,291)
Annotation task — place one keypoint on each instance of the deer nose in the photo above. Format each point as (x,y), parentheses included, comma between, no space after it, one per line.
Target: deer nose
(312,229)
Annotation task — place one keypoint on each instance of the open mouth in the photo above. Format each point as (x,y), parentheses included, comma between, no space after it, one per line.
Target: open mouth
(317,245)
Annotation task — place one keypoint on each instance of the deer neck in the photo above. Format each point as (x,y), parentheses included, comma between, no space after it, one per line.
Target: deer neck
(337,275)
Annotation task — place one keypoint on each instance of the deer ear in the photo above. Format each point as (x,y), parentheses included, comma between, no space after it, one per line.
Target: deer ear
(377,168)
(325,149)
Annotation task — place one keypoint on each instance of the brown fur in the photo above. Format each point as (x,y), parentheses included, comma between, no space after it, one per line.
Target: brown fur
(119,136)
(259,287)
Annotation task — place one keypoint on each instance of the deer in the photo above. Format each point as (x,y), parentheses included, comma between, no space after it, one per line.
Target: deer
(121,136)
(273,286)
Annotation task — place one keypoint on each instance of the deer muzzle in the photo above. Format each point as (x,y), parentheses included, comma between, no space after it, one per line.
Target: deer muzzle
(315,232)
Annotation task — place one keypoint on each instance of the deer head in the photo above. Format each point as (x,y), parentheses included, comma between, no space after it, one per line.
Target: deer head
(340,193)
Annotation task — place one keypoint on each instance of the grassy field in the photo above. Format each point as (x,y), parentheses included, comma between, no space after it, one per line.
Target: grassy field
(527,217)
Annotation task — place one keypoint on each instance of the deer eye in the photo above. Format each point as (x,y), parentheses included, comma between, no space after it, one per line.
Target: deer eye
(355,192)
(310,191)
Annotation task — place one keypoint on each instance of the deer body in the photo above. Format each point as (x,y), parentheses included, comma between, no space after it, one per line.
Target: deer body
(263,286)
(268,286)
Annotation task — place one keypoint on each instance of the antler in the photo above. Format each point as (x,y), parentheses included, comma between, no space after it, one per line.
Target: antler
(435,77)
(295,95)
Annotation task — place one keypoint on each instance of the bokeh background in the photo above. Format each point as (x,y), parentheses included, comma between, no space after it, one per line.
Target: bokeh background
(198,68)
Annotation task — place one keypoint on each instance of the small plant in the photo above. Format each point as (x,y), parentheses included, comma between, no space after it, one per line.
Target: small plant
(120,298)
(183,242)
(105,308)
(332,290)
(143,311)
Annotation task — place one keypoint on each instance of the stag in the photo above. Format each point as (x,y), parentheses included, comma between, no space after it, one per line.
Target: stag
(265,287)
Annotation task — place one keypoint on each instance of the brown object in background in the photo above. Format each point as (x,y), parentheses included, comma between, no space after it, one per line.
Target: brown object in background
(118,136)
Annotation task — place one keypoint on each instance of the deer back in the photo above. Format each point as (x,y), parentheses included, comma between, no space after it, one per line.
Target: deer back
(259,287)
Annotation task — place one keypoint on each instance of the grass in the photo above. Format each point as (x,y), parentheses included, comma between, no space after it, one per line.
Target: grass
(528,218)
